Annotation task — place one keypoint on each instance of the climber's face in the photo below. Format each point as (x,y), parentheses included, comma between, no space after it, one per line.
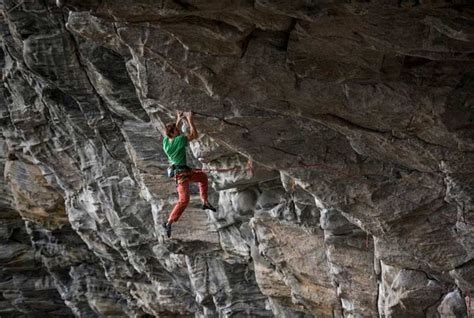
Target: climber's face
(175,132)
(171,130)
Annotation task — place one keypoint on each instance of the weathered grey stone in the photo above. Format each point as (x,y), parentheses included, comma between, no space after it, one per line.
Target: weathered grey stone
(452,305)
(26,287)
(407,292)
(301,262)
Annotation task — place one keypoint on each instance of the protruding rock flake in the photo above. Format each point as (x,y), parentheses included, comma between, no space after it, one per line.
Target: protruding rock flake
(337,136)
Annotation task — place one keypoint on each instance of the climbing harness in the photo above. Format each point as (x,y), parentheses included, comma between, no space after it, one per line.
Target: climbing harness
(179,172)
(175,170)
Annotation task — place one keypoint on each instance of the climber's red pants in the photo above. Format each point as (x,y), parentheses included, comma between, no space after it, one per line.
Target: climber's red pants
(183,192)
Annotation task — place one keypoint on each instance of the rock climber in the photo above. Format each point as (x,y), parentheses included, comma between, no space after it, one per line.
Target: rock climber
(174,145)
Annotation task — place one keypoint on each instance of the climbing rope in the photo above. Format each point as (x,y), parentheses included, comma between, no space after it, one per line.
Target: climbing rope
(301,164)
(250,167)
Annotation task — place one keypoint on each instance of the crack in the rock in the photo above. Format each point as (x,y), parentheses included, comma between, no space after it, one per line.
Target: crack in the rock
(437,301)
(464,264)
(288,34)
(386,134)
(284,151)
(323,119)
(185,5)
(223,120)
(235,124)
(245,43)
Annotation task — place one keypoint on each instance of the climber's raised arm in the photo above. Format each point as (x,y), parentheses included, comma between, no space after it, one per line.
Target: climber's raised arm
(179,118)
(193,133)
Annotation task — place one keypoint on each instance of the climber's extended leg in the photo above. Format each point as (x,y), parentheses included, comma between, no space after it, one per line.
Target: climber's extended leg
(183,201)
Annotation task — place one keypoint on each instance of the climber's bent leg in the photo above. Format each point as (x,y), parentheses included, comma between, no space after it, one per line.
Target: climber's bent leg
(201,178)
(183,201)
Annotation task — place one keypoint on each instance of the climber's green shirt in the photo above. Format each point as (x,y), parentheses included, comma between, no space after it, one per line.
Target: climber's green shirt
(175,149)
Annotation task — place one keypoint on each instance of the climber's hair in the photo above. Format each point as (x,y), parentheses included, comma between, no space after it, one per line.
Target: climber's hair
(169,128)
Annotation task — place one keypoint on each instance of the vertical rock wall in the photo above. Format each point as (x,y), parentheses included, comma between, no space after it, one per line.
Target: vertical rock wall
(338,138)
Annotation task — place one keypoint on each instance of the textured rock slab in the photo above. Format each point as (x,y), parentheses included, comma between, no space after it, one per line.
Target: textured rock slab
(193,233)
(26,287)
(300,260)
(351,259)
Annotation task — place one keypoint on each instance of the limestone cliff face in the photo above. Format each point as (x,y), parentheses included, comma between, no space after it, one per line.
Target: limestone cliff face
(338,136)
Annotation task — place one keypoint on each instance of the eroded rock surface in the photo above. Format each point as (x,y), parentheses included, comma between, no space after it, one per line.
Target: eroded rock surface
(339,139)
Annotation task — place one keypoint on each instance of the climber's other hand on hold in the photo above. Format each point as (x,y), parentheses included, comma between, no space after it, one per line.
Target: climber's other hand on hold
(193,134)
(189,115)
(179,117)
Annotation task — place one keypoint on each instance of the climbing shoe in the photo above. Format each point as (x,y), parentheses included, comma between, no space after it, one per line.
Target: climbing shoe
(208,206)
(167,228)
